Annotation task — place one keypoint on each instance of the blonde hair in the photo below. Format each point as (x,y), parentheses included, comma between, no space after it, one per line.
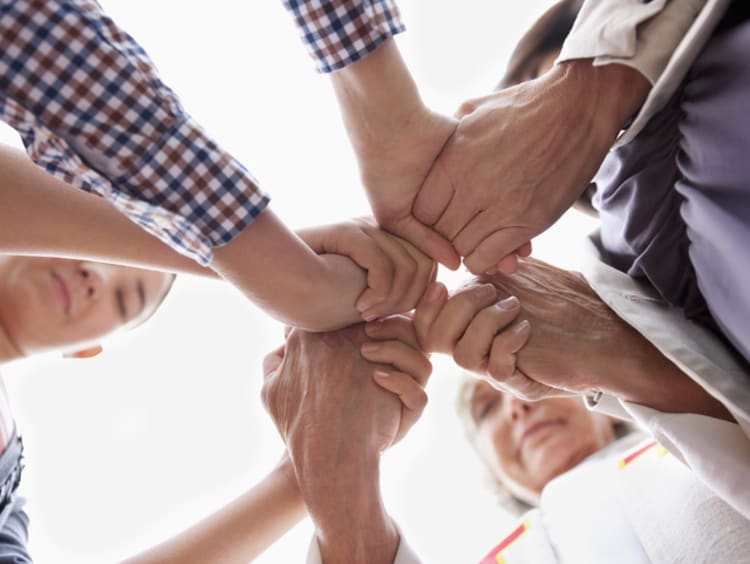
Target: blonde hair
(508,501)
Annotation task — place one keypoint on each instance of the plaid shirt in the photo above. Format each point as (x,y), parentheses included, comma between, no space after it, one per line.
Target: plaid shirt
(340,32)
(92,110)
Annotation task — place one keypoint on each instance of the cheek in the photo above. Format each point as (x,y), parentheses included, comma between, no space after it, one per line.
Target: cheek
(27,320)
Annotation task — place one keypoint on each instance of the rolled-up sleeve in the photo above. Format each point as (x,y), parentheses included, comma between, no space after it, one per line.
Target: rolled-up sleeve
(93,111)
(632,32)
(338,33)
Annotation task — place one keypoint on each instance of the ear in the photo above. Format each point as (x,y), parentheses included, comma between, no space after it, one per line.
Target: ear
(85,353)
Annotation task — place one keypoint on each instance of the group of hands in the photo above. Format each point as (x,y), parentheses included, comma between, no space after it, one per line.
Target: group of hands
(478,186)
(340,398)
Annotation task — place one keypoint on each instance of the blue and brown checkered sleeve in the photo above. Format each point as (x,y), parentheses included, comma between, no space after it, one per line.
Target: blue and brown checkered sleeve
(340,32)
(92,110)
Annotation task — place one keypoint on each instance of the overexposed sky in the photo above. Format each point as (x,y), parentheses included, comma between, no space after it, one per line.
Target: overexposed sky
(165,426)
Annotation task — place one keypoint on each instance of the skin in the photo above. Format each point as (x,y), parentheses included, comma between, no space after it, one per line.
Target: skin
(543,332)
(520,157)
(351,270)
(327,395)
(49,303)
(527,444)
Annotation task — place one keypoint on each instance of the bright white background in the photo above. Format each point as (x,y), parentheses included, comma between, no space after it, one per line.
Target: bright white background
(165,426)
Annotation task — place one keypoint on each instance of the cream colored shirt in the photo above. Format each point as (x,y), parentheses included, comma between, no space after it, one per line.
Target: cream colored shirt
(659,38)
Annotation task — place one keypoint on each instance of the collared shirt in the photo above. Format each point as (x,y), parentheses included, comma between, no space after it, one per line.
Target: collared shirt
(340,32)
(93,111)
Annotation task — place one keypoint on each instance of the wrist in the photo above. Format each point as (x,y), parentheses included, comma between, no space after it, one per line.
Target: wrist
(611,94)
(351,522)
(377,96)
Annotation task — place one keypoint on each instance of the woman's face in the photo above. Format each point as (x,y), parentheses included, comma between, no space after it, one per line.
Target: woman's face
(49,303)
(527,444)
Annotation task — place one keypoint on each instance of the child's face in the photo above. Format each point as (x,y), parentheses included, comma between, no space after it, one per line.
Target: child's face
(49,303)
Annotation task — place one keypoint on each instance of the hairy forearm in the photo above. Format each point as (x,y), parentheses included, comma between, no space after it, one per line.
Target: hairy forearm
(277,271)
(41,215)
(238,532)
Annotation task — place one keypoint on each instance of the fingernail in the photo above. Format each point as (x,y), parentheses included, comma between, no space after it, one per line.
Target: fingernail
(364,305)
(369,316)
(522,327)
(485,292)
(381,374)
(511,302)
(370,347)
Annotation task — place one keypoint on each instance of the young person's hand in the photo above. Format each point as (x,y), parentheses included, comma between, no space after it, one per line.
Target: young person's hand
(397,272)
(396,140)
(480,329)
(395,344)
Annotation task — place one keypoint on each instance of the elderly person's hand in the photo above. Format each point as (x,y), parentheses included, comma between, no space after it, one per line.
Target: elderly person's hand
(520,157)
(577,344)
(336,420)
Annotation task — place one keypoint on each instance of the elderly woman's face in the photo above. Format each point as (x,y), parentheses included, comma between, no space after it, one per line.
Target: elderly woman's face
(526,444)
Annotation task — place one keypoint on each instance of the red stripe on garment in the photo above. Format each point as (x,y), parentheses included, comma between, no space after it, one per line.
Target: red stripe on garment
(629,458)
(507,541)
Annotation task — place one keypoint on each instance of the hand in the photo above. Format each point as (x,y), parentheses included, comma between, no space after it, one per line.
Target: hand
(520,157)
(395,343)
(396,140)
(397,272)
(576,343)
(322,381)
(335,420)
(480,330)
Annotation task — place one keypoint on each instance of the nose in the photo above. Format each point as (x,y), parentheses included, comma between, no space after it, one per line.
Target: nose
(515,408)
(90,279)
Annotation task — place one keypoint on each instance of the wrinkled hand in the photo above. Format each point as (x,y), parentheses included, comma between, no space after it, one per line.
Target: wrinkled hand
(577,343)
(321,393)
(519,158)
(397,272)
(335,419)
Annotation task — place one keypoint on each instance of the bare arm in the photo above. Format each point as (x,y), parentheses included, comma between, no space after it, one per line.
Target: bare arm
(240,531)
(41,215)
(396,139)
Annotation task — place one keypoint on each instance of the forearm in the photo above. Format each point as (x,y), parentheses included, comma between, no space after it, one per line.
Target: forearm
(41,215)
(277,271)
(377,96)
(238,532)
(646,377)
(350,519)
(608,95)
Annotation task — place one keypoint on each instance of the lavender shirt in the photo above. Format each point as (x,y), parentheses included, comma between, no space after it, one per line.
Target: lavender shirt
(675,202)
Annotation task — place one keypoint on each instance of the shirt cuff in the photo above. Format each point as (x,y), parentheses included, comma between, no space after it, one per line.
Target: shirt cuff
(201,196)
(338,33)
(639,34)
